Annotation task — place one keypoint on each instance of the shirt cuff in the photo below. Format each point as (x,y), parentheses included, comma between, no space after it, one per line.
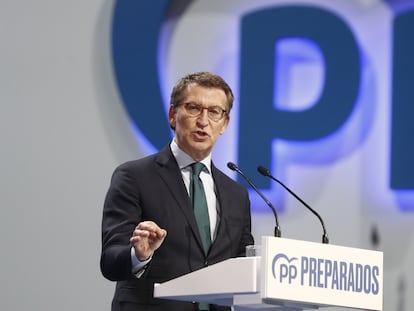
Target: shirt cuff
(138,267)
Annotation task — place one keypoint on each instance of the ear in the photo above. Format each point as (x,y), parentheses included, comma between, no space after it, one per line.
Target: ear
(171,116)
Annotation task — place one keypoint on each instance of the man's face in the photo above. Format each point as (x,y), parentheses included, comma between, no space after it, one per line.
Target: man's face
(196,135)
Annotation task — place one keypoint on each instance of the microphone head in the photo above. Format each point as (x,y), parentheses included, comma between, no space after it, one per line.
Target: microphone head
(232,166)
(264,171)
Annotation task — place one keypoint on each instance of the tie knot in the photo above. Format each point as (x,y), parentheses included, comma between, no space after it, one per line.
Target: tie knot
(197,168)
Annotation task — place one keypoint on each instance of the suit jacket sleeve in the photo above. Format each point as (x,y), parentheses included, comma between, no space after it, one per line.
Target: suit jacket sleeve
(120,216)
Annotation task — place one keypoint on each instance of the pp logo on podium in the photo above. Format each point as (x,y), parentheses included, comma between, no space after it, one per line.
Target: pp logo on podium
(284,268)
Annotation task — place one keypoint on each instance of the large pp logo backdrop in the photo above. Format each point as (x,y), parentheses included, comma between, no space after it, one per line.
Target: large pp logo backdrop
(309,79)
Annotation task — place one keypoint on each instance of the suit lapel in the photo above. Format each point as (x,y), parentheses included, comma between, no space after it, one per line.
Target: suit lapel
(169,171)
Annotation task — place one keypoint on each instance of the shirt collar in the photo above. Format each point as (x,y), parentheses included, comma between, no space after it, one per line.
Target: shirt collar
(184,160)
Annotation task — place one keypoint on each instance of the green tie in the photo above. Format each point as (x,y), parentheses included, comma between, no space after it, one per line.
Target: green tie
(200,205)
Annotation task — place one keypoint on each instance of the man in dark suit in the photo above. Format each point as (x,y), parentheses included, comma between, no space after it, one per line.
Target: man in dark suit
(150,233)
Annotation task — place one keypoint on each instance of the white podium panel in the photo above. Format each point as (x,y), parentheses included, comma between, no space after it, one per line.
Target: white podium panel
(315,274)
(290,275)
(216,284)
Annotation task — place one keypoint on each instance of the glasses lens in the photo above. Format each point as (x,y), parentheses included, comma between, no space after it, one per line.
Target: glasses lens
(215,113)
(193,109)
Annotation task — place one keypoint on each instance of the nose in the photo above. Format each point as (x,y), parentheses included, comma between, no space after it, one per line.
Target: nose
(202,119)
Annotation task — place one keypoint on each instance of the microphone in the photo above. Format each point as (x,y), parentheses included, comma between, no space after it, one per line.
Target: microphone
(265,172)
(234,167)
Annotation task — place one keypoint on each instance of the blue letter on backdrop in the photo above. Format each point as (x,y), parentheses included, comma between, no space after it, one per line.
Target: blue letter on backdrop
(402,147)
(136,27)
(260,122)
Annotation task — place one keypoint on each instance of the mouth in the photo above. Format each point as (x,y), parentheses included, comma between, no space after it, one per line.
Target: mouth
(200,135)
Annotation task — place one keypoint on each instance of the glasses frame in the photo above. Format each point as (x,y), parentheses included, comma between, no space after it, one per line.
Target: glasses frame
(201,108)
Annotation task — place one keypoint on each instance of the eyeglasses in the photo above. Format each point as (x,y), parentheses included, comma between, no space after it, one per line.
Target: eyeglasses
(214,113)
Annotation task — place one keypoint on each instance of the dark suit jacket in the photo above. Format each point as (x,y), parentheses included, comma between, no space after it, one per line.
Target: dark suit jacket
(152,188)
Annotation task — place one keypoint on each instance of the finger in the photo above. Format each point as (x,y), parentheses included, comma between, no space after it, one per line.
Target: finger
(140,241)
(162,233)
(151,227)
(141,233)
(148,225)
(136,240)
(158,235)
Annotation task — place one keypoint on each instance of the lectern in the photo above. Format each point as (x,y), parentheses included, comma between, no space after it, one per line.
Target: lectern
(289,275)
